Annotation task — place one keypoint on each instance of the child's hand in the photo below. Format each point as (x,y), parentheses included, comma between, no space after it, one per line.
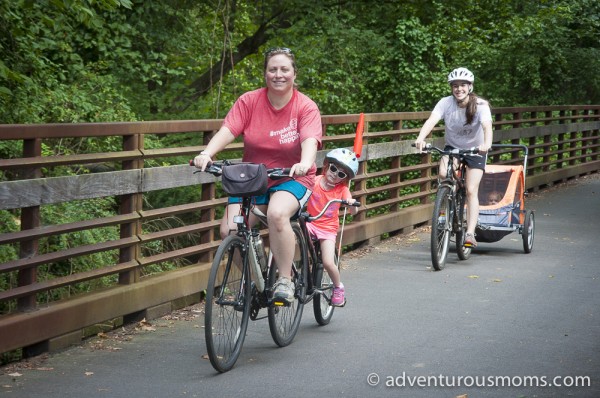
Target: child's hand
(352,202)
(353,205)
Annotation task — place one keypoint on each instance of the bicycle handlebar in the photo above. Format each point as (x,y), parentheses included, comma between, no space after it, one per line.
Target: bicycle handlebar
(216,169)
(430,148)
(344,202)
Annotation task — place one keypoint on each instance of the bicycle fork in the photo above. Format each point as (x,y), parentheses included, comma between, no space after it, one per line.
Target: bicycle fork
(448,219)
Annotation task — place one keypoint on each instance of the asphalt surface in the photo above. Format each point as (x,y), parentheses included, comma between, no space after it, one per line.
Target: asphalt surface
(501,324)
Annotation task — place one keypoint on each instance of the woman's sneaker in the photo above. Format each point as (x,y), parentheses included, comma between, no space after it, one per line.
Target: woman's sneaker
(470,240)
(283,289)
(338,298)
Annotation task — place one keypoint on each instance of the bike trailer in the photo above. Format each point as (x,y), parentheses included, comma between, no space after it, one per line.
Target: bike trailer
(501,202)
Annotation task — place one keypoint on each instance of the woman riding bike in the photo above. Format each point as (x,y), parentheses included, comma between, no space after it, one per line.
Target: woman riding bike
(468,124)
(281,128)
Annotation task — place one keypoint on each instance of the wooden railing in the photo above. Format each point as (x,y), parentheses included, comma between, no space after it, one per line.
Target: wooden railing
(394,184)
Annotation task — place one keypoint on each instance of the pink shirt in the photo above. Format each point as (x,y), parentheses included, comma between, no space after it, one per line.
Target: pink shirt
(274,136)
(330,221)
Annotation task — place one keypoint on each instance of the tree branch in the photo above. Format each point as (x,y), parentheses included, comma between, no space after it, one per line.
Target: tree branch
(250,45)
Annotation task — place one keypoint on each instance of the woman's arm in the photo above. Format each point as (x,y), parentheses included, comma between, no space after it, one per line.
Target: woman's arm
(223,138)
(488,135)
(309,155)
(425,130)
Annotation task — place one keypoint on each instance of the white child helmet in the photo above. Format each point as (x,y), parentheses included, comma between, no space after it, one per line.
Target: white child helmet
(345,158)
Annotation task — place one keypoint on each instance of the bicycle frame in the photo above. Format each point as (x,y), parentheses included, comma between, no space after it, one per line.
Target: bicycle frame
(448,218)
(244,230)
(455,179)
(236,290)
(314,251)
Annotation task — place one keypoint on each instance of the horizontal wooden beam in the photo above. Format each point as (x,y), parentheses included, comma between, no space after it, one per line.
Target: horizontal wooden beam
(63,130)
(24,329)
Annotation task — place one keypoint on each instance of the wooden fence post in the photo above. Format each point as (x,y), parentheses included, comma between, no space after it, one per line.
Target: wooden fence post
(396,165)
(131,203)
(208,192)
(30,219)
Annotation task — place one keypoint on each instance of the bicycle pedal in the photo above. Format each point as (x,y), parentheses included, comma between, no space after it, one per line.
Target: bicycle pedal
(280,303)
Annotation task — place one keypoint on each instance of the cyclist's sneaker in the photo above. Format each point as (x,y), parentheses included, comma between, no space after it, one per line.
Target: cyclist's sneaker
(283,289)
(470,240)
(338,298)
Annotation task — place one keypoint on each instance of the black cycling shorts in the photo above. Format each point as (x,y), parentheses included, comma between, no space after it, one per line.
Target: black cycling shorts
(472,161)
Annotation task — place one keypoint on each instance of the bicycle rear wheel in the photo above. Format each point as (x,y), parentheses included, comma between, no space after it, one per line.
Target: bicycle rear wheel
(227,305)
(461,222)
(440,228)
(284,321)
(322,302)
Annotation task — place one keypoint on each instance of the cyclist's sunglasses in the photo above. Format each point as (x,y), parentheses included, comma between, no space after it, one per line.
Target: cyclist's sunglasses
(334,169)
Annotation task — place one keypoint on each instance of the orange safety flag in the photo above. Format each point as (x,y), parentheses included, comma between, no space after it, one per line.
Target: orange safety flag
(358,139)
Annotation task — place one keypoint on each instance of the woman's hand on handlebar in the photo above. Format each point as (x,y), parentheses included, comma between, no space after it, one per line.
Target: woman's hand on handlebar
(202,161)
(483,148)
(419,144)
(300,169)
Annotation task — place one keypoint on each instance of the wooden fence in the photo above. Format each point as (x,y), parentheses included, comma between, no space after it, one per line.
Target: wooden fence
(159,257)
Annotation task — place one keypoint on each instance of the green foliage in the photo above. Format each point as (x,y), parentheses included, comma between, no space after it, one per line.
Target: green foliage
(9,224)
(43,73)
(133,60)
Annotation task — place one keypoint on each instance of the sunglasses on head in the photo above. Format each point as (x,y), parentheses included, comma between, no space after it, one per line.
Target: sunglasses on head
(334,169)
(278,50)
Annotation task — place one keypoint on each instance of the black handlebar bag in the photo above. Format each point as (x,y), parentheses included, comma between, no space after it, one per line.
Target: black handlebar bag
(244,179)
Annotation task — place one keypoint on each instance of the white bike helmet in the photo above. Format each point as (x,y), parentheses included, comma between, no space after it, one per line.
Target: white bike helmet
(346,159)
(461,74)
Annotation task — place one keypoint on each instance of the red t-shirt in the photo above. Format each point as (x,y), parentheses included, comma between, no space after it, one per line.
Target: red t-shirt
(330,221)
(274,136)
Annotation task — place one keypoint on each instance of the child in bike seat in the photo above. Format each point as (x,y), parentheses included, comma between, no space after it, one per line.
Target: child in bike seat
(339,167)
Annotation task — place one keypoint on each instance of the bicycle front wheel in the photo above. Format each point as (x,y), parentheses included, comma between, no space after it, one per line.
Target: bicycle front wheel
(441,227)
(284,321)
(463,252)
(227,307)
(322,301)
